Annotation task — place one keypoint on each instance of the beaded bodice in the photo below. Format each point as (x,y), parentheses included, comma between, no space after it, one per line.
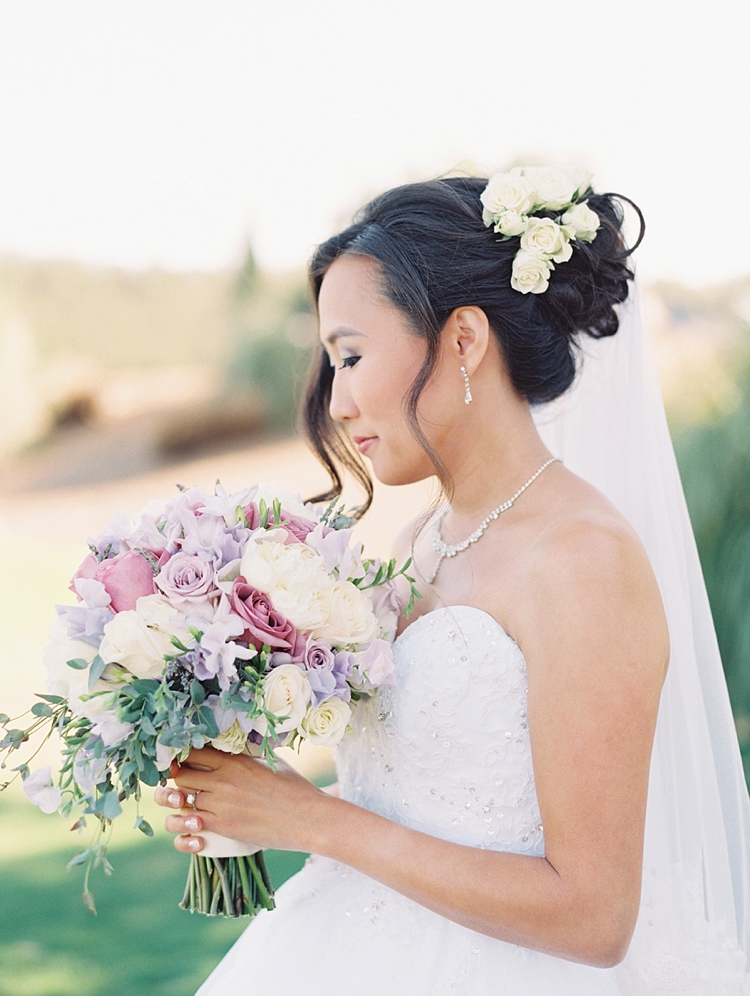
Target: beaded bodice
(446,750)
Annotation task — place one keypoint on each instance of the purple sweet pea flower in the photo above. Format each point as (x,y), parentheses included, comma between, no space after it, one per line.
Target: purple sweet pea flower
(218,649)
(85,624)
(88,770)
(40,790)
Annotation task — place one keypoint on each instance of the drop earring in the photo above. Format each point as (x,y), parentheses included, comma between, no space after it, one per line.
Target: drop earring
(467,397)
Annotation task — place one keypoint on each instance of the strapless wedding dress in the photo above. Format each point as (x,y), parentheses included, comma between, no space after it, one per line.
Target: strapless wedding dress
(445,751)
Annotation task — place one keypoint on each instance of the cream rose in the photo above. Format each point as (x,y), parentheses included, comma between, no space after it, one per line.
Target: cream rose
(506,192)
(286,692)
(233,740)
(326,724)
(61,678)
(583,221)
(139,639)
(530,273)
(511,223)
(351,619)
(295,578)
(554,188)
(545,237)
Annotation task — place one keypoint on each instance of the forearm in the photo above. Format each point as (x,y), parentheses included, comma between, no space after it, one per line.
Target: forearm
(520,899)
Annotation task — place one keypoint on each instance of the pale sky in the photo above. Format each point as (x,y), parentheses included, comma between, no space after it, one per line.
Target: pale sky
(171,132)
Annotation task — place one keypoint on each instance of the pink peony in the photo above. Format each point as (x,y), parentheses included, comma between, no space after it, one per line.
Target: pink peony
(263,623)
(125,577)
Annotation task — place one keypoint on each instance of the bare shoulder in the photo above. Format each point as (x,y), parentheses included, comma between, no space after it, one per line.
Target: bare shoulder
(588,576)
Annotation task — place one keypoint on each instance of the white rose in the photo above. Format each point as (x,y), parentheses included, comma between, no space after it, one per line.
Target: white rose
(554,188)
(232,740)
(295,578)
(351,619)
(139,639)
(545,237)
(530,273)
(511,223)
(62,679)
(286,692)
(326,724)
(506,192)
(583,221)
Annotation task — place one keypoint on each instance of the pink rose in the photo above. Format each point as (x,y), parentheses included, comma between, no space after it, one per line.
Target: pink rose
(125,577)
(185,578)
(263,623)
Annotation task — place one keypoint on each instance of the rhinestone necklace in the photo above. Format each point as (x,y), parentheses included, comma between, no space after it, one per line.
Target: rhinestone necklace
(445,550)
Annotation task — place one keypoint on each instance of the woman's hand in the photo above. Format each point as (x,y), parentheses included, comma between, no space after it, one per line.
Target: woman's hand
(240,797)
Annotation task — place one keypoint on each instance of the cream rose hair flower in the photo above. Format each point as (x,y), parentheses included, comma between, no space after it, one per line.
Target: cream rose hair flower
(544,207)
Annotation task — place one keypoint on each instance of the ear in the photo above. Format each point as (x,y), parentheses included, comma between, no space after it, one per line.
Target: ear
(466,336)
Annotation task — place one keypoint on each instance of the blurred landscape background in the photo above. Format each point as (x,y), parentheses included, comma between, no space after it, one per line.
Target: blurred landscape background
(116,385)
(144,148)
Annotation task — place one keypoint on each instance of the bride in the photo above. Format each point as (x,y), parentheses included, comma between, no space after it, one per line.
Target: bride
(550,800)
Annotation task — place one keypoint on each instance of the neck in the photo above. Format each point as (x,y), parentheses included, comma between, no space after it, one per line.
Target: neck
(497,454)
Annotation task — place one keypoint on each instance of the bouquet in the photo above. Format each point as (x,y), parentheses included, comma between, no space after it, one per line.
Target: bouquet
(245,622)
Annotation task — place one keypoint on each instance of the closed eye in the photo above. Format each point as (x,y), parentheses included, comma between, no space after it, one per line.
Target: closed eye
(348,361)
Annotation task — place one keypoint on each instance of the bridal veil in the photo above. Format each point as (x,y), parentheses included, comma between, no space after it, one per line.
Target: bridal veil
(693,932)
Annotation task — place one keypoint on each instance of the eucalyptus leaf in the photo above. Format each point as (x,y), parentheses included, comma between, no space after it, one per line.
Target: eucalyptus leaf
(78,664)
(41,709)
(97,670)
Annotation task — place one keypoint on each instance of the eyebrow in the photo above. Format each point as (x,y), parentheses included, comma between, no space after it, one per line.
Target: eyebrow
(341,333)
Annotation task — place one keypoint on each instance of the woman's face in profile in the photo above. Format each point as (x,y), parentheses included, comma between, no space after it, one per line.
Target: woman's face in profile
(376,357)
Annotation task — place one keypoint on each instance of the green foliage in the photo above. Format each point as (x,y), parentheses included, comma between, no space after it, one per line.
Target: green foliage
(139,942)
(714,463)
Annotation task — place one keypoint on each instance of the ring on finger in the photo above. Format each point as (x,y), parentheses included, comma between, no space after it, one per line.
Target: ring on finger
(191,797)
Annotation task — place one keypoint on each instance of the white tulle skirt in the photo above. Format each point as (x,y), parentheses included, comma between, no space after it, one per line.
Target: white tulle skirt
(336,931)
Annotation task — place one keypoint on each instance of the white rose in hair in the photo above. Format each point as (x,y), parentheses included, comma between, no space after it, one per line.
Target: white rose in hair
(554,188)
(351,619)
(583,221)
(545,237)
(511,223)
(286,692)
(530,273)
(506,192)
(326,724)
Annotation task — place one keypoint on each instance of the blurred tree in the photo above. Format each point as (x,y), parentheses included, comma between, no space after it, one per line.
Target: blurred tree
(714,461)
(274,332)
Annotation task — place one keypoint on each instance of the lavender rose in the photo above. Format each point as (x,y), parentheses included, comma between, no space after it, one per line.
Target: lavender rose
(185,578)
(126,578)
(263,623)
(319,663)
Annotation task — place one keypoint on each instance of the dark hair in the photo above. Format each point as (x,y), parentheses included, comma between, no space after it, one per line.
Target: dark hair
(436,255)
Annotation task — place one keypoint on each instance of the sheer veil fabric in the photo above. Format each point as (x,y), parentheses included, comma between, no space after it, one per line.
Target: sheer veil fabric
(693,932)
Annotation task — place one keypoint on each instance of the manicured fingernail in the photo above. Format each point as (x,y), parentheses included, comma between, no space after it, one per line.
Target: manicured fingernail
(194,843)
(174,799)
(191,823)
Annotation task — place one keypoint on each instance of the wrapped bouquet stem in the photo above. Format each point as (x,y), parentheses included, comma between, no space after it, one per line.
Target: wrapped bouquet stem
(243,622)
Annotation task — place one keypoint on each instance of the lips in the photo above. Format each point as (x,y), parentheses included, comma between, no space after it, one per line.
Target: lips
(363,443)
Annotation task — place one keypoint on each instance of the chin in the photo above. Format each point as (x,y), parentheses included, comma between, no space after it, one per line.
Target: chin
(394,474)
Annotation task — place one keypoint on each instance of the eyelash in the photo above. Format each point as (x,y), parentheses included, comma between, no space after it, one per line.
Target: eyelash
(348,362)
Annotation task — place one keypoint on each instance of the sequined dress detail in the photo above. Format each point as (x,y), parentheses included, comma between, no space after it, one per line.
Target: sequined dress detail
(445,751)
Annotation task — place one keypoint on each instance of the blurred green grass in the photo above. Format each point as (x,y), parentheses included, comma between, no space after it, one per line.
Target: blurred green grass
(140,941)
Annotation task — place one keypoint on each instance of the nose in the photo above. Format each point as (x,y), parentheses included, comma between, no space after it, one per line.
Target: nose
(342,407)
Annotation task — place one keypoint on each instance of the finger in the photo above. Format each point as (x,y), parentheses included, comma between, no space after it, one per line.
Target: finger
(183,824)
(189,779)
(188,844)
(165,795)
(206,757)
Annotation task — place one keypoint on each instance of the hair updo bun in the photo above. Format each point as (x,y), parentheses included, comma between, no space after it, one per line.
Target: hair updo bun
(436,255)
